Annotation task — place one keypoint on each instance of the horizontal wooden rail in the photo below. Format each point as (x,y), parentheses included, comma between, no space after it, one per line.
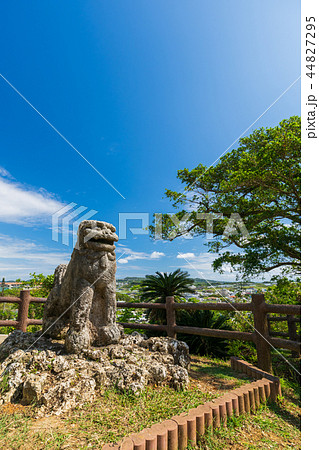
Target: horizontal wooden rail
(284,319)
(283,309)
(141,305)
(10,300)
(292,334)
(18,300)
(285,343)
(232,306)
(224,334)
(34,322)
(38,300)
(143,326)
(15,323)
(9,323)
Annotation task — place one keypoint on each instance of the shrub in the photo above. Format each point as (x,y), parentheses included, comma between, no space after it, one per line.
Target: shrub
(203,345)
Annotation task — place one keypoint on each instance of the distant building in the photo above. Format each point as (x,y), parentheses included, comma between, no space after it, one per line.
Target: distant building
(225,292)
(188,296)
(13,284)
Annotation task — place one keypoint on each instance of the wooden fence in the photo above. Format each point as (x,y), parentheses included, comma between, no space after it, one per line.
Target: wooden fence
(262,335)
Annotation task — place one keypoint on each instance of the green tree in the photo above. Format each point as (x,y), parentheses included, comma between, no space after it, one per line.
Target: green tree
(284,291)
(258,182)
(155,288)
(41,286)
(121,297)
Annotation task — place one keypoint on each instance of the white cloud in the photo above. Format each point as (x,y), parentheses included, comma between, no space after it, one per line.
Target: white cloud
(20,257)
(198,265)
(131,255)
(186,256)
(122,261)
(157,255)
(23,206)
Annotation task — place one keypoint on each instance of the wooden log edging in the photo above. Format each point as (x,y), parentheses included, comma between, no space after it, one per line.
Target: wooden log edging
(185,428)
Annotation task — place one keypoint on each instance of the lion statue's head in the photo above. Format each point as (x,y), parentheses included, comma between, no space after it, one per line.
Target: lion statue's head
(96,235)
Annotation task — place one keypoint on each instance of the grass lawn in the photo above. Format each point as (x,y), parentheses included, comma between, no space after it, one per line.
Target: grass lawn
(114,415)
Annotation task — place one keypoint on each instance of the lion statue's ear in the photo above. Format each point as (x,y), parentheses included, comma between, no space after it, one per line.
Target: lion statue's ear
(77,244)
(78,241)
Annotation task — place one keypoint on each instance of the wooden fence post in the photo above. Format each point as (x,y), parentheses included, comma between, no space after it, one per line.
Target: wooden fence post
(23,310)
(292,330)
(170,317)
(261,332)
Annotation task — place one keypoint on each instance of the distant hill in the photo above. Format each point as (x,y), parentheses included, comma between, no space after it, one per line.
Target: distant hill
(202,282)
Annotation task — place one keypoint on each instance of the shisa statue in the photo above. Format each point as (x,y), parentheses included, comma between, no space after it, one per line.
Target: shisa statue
(82,304)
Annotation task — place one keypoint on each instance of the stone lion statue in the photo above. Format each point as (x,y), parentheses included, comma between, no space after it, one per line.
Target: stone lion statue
(82,304)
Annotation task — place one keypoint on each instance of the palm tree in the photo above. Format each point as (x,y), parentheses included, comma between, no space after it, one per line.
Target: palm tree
(202,345)
(158,287)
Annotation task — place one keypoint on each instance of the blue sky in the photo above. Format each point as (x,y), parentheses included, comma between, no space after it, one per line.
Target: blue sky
(141,89)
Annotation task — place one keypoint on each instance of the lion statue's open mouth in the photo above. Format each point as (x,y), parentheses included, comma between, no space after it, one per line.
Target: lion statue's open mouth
(96,235)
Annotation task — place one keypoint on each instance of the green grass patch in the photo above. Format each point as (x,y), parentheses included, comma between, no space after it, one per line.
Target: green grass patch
(219,372)
(273,426)
(117,414)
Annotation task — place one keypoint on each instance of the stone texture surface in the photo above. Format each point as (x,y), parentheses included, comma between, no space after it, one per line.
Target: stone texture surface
(82,303)
(37,369)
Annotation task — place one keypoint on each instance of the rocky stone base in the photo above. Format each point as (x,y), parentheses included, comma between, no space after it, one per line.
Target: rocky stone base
(37,370)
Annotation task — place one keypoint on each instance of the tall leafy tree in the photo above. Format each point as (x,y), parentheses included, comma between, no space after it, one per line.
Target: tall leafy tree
(255,187)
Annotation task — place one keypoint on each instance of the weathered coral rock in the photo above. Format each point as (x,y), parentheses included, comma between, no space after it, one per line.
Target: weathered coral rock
(35,369)
(178,349)
(32,388)
(82,303)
